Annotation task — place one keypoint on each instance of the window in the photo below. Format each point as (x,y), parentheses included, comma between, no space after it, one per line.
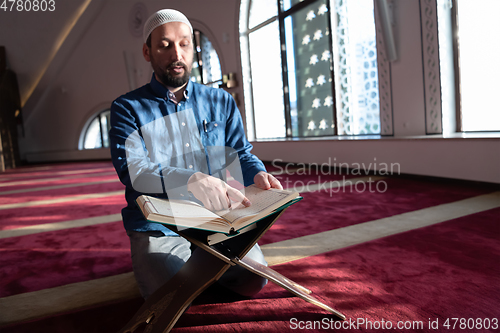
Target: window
(478,33)
(206,64)
(263,81)
(95,134)
(302,80)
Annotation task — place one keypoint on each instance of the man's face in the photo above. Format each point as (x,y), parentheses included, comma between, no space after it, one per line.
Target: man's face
(171,53)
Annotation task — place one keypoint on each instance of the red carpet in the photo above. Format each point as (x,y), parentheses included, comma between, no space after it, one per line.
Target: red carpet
(52,259)
(60,212)
(103,184)
(449,270)
(321,211)
(442,271)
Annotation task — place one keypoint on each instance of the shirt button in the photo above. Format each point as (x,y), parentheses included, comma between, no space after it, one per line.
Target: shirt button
(187,144)
(190,166)
(215,124)
(183,124)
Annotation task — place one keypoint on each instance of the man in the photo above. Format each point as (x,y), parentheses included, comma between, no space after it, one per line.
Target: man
(173,138)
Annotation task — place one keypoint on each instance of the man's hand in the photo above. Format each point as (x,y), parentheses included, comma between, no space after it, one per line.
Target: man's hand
(266,181)
(214,193)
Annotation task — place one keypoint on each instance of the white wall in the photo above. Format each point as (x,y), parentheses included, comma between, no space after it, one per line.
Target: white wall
(474,159)
(89,71)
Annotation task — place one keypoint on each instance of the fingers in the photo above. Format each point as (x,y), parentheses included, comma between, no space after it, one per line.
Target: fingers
(266,181)
(275,183)
(216,197)
(220,201)
(214,193)
(261,180)
(237,196)
(263,183)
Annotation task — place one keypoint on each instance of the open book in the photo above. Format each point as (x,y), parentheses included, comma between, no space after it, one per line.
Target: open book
(188,214)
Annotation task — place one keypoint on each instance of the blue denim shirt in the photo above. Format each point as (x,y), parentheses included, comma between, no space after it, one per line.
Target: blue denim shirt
(156,144)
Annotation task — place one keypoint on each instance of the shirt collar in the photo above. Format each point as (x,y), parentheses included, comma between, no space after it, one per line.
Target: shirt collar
(162,91)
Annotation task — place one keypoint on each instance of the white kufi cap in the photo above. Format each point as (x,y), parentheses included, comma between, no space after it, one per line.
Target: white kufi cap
(161,17)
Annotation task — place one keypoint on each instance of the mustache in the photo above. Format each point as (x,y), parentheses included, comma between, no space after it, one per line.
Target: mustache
(178,64)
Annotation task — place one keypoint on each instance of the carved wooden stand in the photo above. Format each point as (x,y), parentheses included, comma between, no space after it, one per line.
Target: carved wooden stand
(206,265)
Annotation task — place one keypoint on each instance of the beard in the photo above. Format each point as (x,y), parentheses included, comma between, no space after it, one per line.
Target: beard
(167,79)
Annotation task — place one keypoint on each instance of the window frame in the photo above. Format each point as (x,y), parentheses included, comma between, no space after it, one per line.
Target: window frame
(456,66)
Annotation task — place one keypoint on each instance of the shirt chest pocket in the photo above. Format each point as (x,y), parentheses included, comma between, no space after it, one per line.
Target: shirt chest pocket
(215,134)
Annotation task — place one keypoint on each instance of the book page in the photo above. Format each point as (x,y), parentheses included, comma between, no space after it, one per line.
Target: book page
(181,209)
(260,199)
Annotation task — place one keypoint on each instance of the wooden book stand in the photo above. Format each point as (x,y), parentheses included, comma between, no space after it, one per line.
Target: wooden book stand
(205,266)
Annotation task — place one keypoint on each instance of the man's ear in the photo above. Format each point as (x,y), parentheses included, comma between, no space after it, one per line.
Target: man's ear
(145,52)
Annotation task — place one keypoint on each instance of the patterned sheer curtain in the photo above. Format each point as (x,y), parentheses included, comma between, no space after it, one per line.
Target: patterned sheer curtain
(307,35)
(355,52)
